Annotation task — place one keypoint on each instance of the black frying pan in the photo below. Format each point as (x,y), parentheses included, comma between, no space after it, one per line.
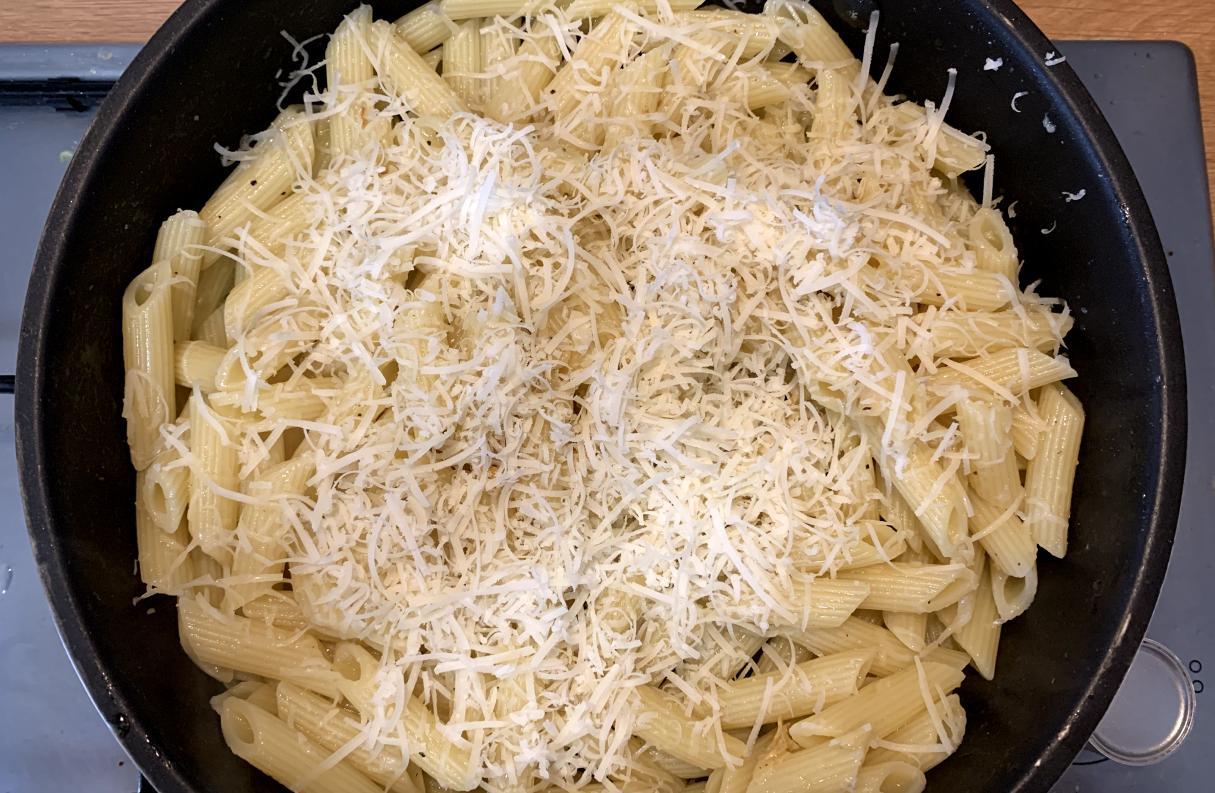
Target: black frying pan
(209,75)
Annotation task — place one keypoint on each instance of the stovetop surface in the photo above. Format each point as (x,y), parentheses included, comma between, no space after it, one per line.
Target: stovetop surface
(53,740)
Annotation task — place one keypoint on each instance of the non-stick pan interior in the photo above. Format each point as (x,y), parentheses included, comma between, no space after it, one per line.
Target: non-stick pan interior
(210,76)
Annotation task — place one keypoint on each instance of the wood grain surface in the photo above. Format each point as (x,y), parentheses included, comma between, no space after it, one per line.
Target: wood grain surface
(1190,21)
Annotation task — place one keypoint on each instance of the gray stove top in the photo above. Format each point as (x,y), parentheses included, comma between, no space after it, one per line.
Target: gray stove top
(53,740)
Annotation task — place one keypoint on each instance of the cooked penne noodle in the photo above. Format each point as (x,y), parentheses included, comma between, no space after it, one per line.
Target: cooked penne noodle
(434,58)
(751,35)
(603,46)
(877,543)
(149,398)
(163,555)
(178,243)
(195,364)
(662,724)
(915,588)
(403,73)
(888,777)
(737,778)
(778,655)
(250,297)
(165,490)
(1011,372)
(278,609)
(462,62)
(833,109)
(435,753)
(1052,471)
(214,284)
(592,9)
(808,687)
(883,705)
(266,743)
(668,763)
(261,530)
(826,602)
(937,499)
(972,334)
(637,89)
(993,244)
(469,9)
(498,48)
(259,183)
(813,41)
(1013,594)
(1026,430)
(921,732)
(212,516)
(348,68)
(986,429)
(333,728)
(425,27)
(1004,537)
(953,151)
(980,636)
(256,648)
(526,77)
(857,634)
(974,291)
(829,767)
(909,627)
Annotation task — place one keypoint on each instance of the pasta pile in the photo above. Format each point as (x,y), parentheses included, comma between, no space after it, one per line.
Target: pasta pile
(596,396)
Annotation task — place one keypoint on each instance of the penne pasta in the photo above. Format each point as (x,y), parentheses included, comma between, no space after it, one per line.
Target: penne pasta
(527,75)
(178,243)
(425,27)
(261,182)
(333,728)
(269,745)
(404,74)
(918,742)
(1052,471)
(255,648)
(662,724)
(149,398)
(883,705)
(1007,373)
(261,530)
(462,62)
(1013,594)
(919,589)
(986,429)
(1004,537)
(808,687)
(164,490)
(890,776)
(890,655)
(980,636)
(211,515)
(163,555)
(195,364)
(829,767)
(519,415)
(908,627)
(214,283)
(444,761)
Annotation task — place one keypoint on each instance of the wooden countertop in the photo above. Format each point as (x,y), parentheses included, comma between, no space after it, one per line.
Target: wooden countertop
(1190,21)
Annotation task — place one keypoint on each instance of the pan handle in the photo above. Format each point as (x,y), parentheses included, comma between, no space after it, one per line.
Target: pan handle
(7,382)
